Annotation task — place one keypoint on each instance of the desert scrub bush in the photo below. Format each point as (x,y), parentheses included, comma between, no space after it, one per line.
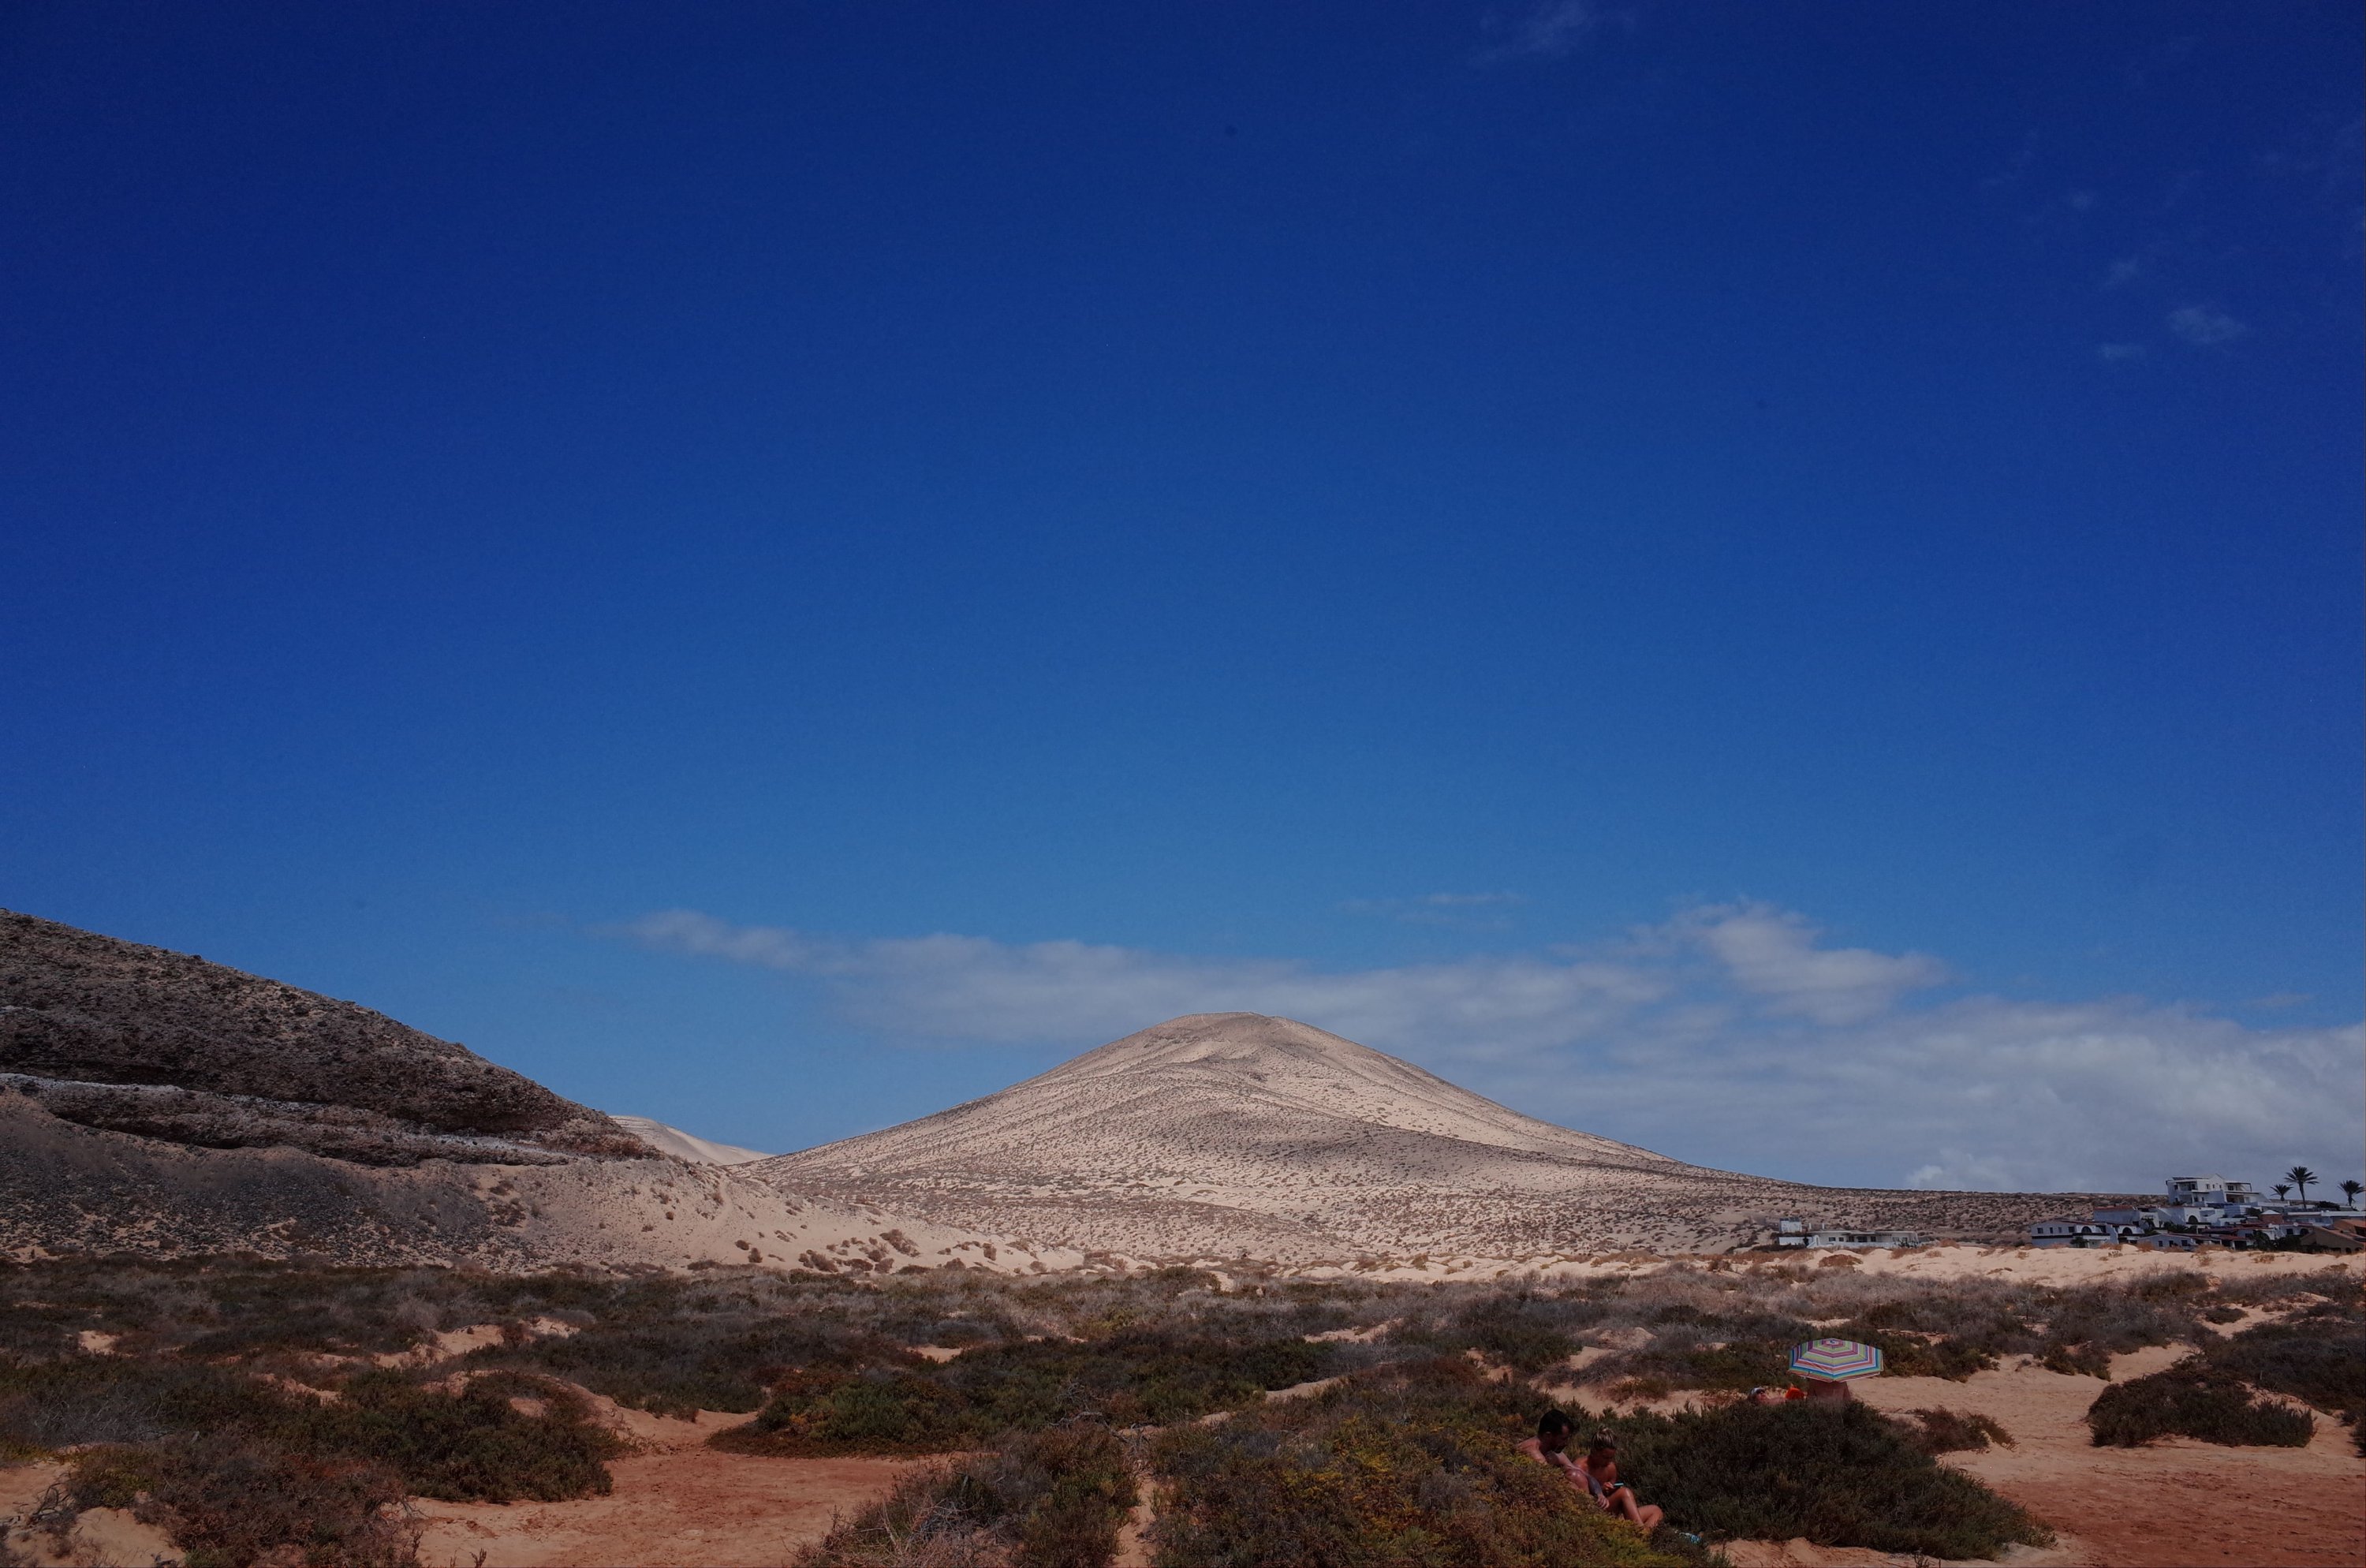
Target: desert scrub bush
(229,1503)
(1526,1330)
(2318,1356)
(1954,1431)
(1840,1475)
(1050,1499)
(1413,1463)
(1132,1378)
(679,1365)
(2194,1400)
(71,1400)
(876,1411)
(2085,1326)
(1129,1377)
(472,1446)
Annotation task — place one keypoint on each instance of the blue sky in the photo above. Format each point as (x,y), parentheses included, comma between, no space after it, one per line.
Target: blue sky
(1782,582)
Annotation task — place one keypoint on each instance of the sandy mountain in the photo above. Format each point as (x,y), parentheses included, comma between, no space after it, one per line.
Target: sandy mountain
(154,1103)
(684,1145)
(1223,1134)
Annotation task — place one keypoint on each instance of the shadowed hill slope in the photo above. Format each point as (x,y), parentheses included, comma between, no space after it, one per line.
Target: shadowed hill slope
(154,1104)
(1225,1134)
(111,1033)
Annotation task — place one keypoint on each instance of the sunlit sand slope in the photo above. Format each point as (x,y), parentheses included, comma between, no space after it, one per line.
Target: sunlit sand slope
(1227,1134)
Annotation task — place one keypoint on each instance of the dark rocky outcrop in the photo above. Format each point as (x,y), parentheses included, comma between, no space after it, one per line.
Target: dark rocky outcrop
(113,1034)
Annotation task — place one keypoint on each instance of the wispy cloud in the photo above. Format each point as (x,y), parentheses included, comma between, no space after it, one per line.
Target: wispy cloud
(2122,272)
(1548,30)
(1731,1033)
(2120,353)
(1482,909)
(2206,328)
(961,988)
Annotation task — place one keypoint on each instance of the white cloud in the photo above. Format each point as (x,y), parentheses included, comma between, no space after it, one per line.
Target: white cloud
(2204,327)
(1773,953)
(2122,272)
(960,987)
(1728,1035)
(2120,353)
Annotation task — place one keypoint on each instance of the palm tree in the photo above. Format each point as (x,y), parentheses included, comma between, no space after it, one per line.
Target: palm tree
(2300,1176)
(2351,1190)
(2283,1190)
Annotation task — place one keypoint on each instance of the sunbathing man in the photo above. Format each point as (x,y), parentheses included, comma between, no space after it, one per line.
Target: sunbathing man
(1597,1473)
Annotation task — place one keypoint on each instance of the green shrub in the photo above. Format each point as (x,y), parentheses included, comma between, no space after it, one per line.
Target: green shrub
(2194,1400)
(1129,1378)
(227,1503)
(1407,1464)
(1050,1499)
(471,1446)
(116,1400)
(1839,1474)
(1907,1354)
(686,1361)
(868,1412)
(2084,1361)
(1956,1431)
(2319,1360)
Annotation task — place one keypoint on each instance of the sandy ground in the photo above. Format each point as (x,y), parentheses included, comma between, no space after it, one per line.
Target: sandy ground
(2177,1504)
(678,1504)
(99,1535)
(695,1508)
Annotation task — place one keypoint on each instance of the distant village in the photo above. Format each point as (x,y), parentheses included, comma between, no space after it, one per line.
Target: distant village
(2198,1211)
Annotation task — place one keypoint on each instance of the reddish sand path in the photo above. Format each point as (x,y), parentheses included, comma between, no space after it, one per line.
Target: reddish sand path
(678,1504)
(691,1509)
(2175,1503)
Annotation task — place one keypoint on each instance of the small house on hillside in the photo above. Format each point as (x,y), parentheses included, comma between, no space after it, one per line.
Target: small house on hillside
(2067,1232)
(1864,1238)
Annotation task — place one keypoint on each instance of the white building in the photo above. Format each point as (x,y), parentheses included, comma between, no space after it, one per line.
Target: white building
(2210,1193)
(1862,1238)
(2070,1233)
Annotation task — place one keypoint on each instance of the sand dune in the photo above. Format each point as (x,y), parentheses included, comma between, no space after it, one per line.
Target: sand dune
(684,1145)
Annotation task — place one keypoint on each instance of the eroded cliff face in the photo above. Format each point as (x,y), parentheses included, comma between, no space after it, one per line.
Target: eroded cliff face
(113,1034)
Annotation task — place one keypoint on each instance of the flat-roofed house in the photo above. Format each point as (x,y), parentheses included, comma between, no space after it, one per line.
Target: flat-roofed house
(2065,1232)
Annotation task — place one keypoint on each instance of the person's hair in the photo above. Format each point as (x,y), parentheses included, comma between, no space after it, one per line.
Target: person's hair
(1603,1441)
(1552,1423)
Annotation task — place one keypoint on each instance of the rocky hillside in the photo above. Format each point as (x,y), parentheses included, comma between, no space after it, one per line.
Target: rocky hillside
(1226,1135)
(110,1033)
(154,1104)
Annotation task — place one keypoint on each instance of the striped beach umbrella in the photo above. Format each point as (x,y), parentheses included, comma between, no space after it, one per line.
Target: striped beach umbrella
(1835,1360)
